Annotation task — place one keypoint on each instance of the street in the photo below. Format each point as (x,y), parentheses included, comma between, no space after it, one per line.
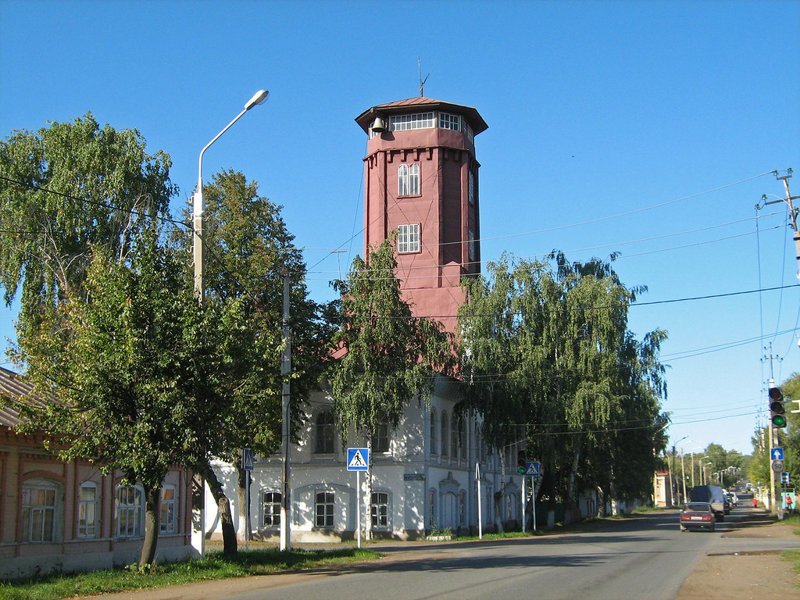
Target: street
(642,557)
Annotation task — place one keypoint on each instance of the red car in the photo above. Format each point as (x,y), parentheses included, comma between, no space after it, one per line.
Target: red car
(697,515)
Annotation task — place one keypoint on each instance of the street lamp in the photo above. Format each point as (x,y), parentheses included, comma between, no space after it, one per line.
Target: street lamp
(197,213)
(198,516)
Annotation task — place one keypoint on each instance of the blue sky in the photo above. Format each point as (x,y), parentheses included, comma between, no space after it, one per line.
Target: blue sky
(648,128)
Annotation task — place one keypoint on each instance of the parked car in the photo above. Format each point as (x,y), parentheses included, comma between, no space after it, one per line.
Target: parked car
(711,494)
(697,515)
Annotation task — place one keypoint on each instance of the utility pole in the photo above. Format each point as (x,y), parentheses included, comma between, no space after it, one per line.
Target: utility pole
(792,211)
(286,369)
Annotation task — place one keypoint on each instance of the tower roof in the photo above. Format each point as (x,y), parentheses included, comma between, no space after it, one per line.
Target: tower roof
(474,118)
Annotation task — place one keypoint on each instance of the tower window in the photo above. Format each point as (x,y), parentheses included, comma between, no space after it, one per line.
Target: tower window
(448,121)
(413,121)
(471,187)
(408,180)
(408,238)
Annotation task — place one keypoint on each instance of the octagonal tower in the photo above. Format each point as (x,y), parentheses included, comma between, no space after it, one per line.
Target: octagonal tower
(421,181)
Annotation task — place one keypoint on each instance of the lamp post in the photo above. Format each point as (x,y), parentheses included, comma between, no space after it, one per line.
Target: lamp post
(198,508)
(197,212)
(672,483)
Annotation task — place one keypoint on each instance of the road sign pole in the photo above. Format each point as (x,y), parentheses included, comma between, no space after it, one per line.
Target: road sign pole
(358,509)
(247,509)
(533,501)
(523,503)
(480,512)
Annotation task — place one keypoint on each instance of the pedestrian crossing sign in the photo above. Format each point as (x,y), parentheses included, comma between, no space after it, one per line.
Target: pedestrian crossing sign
(358,459)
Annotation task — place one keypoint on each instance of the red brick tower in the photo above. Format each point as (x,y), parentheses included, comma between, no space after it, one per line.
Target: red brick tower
(421,180)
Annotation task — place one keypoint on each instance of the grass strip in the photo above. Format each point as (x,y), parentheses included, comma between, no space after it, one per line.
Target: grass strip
(214,566)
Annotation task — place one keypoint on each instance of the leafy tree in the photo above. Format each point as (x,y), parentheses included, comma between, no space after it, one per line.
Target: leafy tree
(249,250)
(548,359)
(63,190)
(390,356)
(136,376)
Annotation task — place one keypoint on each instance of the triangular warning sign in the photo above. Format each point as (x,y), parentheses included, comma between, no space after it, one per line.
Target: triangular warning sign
(357,462)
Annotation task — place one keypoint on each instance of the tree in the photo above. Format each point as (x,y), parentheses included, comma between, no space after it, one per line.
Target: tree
(549,360)
(63,190)
(250,250)
(135,378)
(390,356)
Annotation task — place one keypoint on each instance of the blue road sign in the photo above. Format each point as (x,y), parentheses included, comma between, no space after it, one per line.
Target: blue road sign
(247,459)
(358,459)
(776,454)
(533,469)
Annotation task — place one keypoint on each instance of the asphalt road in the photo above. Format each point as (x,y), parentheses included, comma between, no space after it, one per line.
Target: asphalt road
(645,557)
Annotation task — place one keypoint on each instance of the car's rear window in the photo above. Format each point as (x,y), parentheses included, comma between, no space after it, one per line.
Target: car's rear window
(698,506)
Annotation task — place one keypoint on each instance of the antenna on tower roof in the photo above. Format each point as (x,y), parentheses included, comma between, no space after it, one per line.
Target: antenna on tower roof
(421,80)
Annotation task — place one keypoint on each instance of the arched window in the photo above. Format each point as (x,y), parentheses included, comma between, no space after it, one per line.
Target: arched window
(40,508)
(408,180)
(87,510)
(462,442)
(432,501)
(454,437)
(433,438)
(445,434)
(325,433)
(380,441)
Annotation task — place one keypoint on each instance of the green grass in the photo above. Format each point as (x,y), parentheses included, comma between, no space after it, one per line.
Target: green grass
(793,520)
(256,562)
(793,556)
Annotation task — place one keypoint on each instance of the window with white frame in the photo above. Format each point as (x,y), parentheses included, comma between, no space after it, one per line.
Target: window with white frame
(433,438)
(380,441)
(379,510)
(40,500)
(323,509)
(408,180)
(432,502)
(448,121)
(87,510)
(325,433)
(271,509)
(445,431)
(128,509)
(169,507)
(408,238)
(425,120)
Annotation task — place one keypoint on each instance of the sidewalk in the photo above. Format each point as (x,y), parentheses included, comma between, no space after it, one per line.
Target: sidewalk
(756,576)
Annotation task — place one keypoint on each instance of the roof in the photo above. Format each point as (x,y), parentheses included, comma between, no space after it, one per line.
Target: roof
(16,389)
(402,106)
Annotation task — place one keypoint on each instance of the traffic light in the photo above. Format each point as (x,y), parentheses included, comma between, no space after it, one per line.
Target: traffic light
(522,467)
(777,412)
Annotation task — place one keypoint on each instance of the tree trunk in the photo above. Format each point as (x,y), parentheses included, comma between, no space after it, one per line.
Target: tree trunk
(368,497)
(152,517)
(229,545)
(241,495)
(571,511)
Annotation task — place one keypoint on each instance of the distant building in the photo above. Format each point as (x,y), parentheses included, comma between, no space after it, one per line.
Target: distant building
(421,183)
(67,516)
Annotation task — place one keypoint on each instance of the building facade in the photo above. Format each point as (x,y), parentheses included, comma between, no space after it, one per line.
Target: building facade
(421,185)
(68,516)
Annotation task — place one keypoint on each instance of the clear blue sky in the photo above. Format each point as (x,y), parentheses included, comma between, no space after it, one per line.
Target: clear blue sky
(648,128)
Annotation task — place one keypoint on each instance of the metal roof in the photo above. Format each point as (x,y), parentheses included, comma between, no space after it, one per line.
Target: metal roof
(15,390)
